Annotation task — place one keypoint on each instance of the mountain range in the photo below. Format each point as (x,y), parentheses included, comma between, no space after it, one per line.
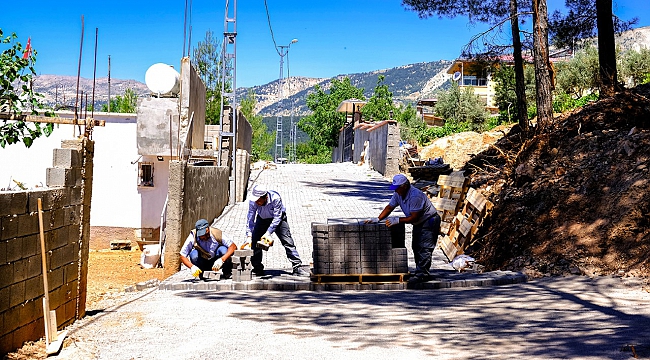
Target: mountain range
(408,83)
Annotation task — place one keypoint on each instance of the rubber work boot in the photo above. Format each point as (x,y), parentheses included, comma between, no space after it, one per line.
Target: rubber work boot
(258,272)
(299,271)
(418,278)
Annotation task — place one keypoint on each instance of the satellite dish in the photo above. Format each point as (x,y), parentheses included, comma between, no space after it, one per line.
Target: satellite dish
(456,76)
(162,79)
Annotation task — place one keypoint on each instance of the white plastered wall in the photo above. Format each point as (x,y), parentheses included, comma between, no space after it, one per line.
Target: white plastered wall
(117,199)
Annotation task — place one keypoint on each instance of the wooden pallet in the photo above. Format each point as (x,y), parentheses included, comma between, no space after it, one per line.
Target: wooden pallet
(460,232)
(465,224)
(453,186)
(358,278)
(476,208)
(447,208)
(448,247)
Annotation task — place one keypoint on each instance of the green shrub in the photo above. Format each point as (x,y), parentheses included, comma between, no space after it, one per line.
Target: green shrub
(565,102)
(313,153)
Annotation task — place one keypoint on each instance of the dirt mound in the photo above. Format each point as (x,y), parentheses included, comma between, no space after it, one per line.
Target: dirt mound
(459,148)
(574,198)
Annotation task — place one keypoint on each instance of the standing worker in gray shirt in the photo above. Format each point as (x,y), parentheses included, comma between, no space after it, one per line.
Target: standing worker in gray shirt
(422,214)
(267,215)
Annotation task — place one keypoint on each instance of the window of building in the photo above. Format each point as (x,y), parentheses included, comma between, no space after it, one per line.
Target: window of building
(145,174)
(471,80)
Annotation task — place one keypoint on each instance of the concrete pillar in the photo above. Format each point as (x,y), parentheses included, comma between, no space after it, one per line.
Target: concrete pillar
(173,233)
(86,150)
(392,150)
(243,173)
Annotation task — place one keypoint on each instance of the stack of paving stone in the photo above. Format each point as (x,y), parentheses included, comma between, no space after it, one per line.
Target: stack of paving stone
(242,269)
(349,246)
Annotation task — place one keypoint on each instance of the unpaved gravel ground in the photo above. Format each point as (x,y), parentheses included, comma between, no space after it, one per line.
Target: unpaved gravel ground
(571,318)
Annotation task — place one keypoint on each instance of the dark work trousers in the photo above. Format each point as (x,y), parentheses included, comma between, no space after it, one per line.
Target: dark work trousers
(283,233)
(206,265)
(425,236)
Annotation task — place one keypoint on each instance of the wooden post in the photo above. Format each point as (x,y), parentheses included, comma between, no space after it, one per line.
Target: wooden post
(46,287)
(53,339)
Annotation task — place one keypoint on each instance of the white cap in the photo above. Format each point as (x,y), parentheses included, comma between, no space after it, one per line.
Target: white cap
(398,180)
(259,191)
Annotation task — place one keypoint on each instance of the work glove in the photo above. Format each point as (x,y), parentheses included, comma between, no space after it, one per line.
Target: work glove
(247,243)
(196,271)
(217,264)
(371,221)
(265,242)
(268,239)
(392,220)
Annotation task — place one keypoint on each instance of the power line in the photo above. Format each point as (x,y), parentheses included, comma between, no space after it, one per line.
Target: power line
(268,19)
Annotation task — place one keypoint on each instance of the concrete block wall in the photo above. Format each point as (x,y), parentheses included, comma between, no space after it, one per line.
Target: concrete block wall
(360,137)
(244,133)
(384,148)
(348,246)
(21,274)
(192,99)
(153,134)
(243,174)
(383,141)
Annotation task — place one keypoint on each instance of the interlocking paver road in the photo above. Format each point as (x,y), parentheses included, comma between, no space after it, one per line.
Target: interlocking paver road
(315,193)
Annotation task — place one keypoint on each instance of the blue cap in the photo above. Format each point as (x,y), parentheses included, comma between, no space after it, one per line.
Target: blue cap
(398,180)
(201,227)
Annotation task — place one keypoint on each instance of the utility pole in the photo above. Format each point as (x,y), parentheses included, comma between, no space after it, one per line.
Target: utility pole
(283,50)
(228,132)
(109,83)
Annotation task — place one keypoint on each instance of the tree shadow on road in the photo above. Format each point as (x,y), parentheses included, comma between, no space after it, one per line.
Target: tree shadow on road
(534,320)
(372,189)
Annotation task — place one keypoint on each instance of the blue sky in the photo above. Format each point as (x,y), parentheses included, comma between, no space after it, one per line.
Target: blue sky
(334,36)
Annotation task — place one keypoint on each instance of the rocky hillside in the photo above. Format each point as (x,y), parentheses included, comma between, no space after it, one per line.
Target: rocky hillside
(408,83)
(60,90)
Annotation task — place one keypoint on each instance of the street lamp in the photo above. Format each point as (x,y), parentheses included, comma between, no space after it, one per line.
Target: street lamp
(283,50)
